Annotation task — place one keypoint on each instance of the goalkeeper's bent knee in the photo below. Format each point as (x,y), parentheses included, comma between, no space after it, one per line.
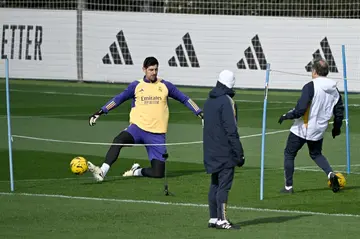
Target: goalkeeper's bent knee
(157,169)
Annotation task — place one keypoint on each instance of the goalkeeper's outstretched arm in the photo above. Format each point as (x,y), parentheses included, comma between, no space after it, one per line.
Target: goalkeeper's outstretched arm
(176,94)
(117,100)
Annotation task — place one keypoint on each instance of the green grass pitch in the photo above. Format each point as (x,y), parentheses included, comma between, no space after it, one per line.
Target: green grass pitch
(50,202)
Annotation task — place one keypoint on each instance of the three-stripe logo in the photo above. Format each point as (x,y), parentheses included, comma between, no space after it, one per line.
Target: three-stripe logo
(181,56)
(251,57)
(115,53)
(325,47)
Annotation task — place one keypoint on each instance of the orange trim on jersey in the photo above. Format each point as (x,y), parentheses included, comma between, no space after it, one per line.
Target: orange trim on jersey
(193,104)
(233,106)
(110,105)
(306,116)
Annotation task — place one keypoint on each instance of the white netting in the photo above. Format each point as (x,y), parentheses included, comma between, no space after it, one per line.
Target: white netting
(285,8)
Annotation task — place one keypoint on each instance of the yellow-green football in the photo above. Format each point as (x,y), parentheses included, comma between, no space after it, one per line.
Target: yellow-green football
(78,165)
(341,179)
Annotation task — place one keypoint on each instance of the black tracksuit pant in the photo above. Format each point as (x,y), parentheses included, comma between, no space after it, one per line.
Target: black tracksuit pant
(220,186)
(293,145)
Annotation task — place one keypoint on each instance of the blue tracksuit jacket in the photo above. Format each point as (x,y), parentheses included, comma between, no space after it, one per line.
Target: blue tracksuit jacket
(222,146)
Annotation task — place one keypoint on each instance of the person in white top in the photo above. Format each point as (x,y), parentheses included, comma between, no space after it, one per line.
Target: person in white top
(320,100)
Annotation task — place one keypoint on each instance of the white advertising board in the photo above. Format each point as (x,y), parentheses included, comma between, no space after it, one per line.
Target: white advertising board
(193,49)
(40,44)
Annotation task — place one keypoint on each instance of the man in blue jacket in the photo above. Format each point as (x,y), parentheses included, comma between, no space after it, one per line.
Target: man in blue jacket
(222,147)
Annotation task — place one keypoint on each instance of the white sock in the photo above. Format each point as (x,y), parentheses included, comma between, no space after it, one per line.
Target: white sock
(137,172)
(288,187)
(105,168)
(329,175)
(213,220)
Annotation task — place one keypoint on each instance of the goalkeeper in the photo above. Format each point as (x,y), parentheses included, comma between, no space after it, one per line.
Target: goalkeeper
(149,118)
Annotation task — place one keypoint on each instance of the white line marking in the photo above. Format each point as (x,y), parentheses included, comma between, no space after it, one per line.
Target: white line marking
(317,169)
(268,133)
(334,166)
(320,170)
(136,145)
(100,143)
(304,168)
(111,96)
(178,204)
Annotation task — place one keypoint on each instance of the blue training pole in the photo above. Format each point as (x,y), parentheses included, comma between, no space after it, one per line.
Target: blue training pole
(346,111)
(263,132)
(9,123)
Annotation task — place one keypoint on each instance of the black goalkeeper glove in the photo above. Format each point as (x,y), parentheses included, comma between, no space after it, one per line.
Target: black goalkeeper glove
(282,118)
(335,132)
(94,117)
(286,116)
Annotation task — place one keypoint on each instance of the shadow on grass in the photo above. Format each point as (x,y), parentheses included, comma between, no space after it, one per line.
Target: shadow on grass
(179,173)
(348,188)
(265,220)
(171,174)
(310,190)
